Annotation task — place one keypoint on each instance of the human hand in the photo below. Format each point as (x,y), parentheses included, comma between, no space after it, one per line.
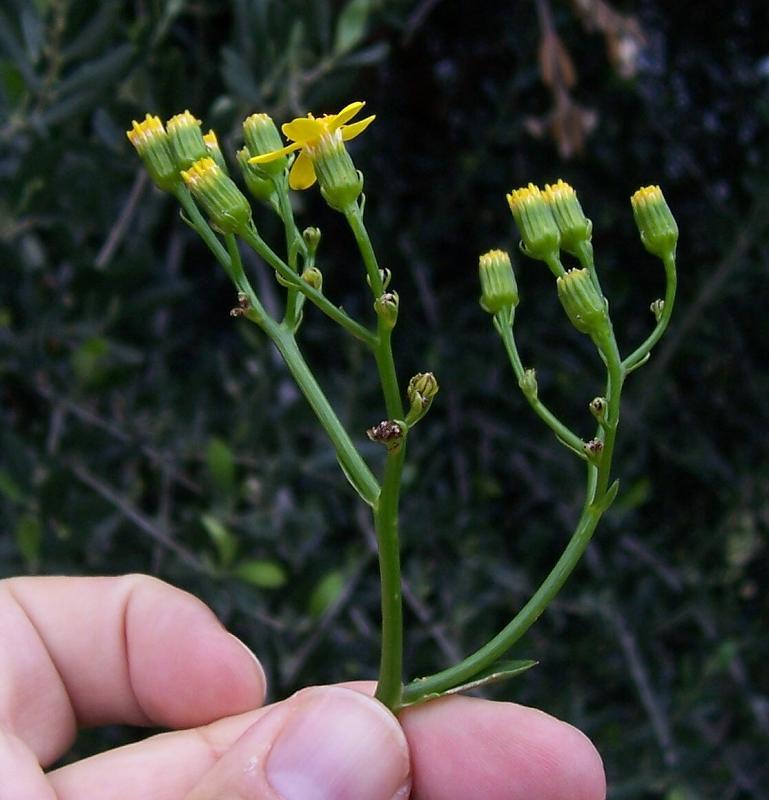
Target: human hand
(80,652)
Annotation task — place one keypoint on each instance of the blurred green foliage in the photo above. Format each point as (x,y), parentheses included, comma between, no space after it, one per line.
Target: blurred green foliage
(143,429)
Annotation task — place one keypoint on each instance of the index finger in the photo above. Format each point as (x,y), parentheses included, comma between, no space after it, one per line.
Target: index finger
(131,649)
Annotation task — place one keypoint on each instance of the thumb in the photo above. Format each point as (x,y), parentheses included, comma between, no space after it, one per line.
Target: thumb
(324,743)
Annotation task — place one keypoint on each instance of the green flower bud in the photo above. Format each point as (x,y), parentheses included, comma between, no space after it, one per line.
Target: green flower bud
(386,308)
(262,137)
(528,384)
(583,304)
(575,228)
(212,145)
(539,232)
(314,277)
(340,183)
(258,186)
(311,238)
(186,140)
(655,222)
(498,287)
(224,203)
(154,148)
(422,389)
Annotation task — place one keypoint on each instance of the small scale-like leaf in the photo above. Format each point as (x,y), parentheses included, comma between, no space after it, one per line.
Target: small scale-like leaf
(500,671)
(264,574)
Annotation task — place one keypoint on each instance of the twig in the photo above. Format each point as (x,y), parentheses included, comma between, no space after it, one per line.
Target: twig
(118,230)
(155,531)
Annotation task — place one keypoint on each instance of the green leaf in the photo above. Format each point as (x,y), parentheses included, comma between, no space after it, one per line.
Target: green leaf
(326,591)
(264,574)
(351,25)
(500,671)
(10,488)
(89,361)
(221,465)
(225,541)
(29,535)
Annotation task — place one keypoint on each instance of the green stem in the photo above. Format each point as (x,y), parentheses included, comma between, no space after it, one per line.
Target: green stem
(390,683)
(671,281)
(253,240)
(504,326)
(608,430)
(586,260)
(383,349)
(517,627)
(294,246)
(350,459)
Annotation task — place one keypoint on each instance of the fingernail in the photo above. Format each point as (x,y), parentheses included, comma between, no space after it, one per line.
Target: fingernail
(257,662)
(339,745)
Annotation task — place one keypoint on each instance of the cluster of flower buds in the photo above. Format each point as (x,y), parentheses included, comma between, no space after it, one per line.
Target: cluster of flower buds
(178,153)
(420,393)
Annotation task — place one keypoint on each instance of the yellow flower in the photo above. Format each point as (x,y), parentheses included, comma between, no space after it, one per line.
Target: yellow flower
(306,132)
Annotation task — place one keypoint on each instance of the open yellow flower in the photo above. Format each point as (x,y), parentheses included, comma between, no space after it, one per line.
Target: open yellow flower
(306,132)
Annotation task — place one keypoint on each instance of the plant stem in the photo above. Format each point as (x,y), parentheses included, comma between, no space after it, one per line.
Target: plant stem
(383,349)
(294,246)
(253,240)
(523,620)
(390,683)
(504,326)
(352,463)
(671,280)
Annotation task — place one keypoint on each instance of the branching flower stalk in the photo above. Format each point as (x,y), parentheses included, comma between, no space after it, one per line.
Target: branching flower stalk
(189,165)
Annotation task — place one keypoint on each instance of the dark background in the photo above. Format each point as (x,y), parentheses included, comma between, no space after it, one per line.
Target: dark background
(143,429)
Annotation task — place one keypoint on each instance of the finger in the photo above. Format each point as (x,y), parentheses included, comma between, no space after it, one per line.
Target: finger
(463,748)
(91,651)
(20,775)
(322,737)
(324,743)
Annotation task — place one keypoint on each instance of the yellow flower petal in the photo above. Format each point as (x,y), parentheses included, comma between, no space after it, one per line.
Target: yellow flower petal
(303,129)
(346,114)
(302,174)
(265,158)
(351,131)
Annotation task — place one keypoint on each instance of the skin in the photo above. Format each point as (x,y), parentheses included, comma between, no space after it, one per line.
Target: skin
(83,652)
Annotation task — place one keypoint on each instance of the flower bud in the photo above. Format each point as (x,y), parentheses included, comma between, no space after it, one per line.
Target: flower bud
(498,287)
(258,186)
(311,238)
(582,302)
(528,383)
(151,142)
(186,140)
(657,308)
(598,406)
(212,145)
(593,450)
(420,393)
(314,277)
(655,222)
(262,137)
(389,432)
(224,203)
(539,233)
(575,228)
(386,307)
(340,183)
